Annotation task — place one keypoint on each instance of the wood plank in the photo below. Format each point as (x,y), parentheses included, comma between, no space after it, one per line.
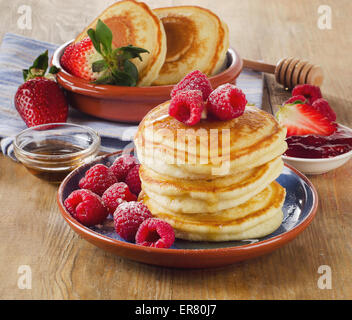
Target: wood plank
(64,266)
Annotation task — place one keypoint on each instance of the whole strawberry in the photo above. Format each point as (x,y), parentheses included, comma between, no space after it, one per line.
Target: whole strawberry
(77,59)
(39,100)
(94,59)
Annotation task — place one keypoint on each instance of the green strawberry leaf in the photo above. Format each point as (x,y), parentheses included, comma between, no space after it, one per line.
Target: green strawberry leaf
(131,52)
(104,35)
(25,73)
(131,69)
(41,63)
(54,70)
(39,67)
(105,79)
(116,64)
(297,102)
(123,78)
(99,66)
(96,43)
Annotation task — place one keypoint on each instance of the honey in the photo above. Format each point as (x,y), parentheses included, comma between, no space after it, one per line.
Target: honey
(51,152)
(54,167)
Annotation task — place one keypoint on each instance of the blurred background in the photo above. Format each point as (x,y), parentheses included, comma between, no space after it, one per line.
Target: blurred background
(264,30)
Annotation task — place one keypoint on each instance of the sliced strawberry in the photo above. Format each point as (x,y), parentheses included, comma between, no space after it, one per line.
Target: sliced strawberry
(302,119)
(295,99)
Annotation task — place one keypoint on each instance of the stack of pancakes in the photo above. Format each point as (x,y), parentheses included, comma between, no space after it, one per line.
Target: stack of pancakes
(179,39)
(214,181)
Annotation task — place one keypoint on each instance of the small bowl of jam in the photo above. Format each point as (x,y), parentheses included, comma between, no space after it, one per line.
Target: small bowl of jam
(52,151)
(316,154)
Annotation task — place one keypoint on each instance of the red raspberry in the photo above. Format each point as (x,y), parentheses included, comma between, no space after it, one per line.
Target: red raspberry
(122,165)
(128,217)
(116,194)
(294,99)
(97,179)
(187,107)
(155,233)
(226,102)
(309,91)
(86,207)
(133,181)
(324,108)
(195,80)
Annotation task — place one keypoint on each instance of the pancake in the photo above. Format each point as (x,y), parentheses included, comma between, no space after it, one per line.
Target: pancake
(134,23)
(212,195)
(196,40)
(209,148)
(259,216)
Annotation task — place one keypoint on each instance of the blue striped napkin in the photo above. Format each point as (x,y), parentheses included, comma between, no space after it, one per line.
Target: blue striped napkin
(18,52)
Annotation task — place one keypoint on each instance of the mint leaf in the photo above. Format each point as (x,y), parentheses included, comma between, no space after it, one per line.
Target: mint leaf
(104,35)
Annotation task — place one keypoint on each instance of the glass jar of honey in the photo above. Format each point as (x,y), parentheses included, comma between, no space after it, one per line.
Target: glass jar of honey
(52,151)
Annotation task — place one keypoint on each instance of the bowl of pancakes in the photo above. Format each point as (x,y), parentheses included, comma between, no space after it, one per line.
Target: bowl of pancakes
(179,40)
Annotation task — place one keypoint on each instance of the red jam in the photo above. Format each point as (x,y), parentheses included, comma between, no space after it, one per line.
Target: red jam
(317,146)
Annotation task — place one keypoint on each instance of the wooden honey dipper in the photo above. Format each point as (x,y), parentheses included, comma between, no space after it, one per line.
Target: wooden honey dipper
(289,71)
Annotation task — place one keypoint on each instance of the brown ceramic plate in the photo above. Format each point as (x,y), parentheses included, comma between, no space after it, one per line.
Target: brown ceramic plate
(299,210)
(127,104)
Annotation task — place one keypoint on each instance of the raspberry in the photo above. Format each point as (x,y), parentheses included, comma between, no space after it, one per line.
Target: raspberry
(309,91)
(155,233)
(324,108)
(116,194)
(133,181)
(97,179)
(122,165)
(294,99)
(187,107)
(226,102)
(195,80)
(86,207)
(128,217)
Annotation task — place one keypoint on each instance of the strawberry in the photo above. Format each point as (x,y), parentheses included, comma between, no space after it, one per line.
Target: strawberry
(39,100)
(79,59)
(95,60)
(302,119)
(65,60)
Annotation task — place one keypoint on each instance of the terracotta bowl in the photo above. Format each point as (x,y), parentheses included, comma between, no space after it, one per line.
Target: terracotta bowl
(299,210)
(127,104)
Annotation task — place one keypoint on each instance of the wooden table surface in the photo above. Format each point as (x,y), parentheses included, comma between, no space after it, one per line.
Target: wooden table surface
(64,266)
